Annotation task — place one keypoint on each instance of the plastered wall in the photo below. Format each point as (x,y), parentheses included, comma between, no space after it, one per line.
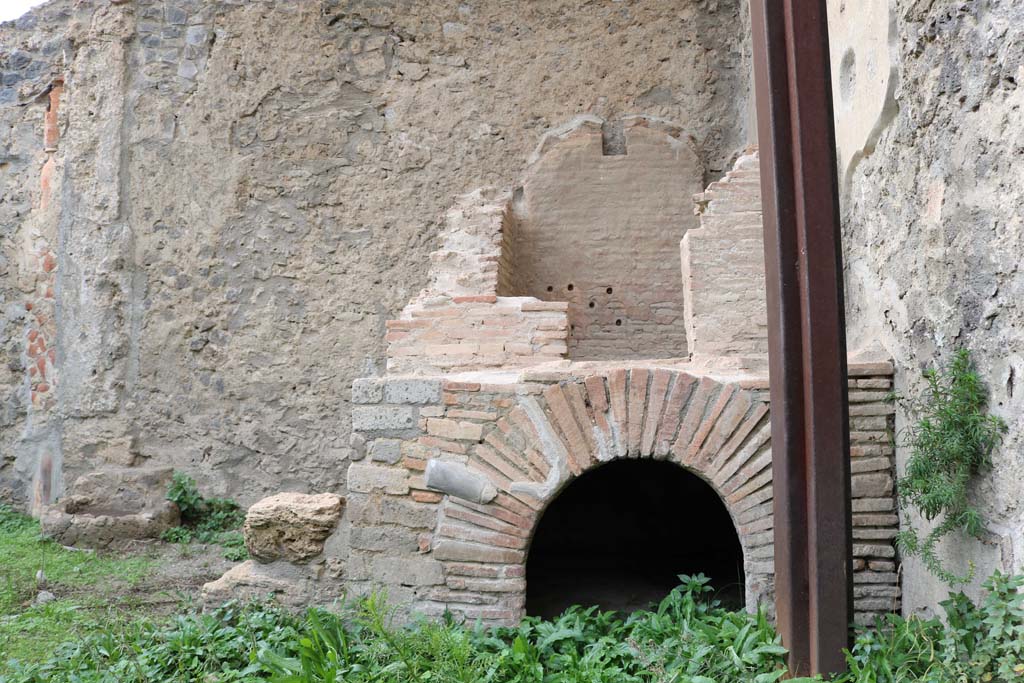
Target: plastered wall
(934,232)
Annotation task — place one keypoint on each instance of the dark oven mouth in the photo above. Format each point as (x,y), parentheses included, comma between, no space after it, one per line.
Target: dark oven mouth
(620,535)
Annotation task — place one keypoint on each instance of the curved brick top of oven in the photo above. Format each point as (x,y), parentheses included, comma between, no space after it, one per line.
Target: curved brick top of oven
(474,463)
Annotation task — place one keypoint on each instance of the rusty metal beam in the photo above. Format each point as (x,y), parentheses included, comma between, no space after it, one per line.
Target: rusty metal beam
(806,329)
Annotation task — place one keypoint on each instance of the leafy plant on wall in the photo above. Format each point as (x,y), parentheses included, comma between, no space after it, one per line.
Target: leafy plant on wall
(951,441)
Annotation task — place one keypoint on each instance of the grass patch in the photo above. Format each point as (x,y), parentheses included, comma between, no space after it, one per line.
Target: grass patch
(84,582)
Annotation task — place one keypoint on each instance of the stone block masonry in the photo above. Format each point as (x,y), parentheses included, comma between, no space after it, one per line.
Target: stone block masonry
(477,426)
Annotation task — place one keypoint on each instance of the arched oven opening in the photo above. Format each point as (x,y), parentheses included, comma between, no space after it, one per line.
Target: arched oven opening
(620,535)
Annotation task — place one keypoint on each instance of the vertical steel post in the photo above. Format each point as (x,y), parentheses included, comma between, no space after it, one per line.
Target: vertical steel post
(806,329)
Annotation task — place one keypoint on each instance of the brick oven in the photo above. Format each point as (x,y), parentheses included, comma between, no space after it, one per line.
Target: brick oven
(577,409)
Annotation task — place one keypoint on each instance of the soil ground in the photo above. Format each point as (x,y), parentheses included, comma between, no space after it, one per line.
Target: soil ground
(82,591)
(174,576)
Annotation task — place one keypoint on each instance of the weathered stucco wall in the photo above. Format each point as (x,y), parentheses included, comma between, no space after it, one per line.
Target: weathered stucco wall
(934,237)
(246,191)
(31,118)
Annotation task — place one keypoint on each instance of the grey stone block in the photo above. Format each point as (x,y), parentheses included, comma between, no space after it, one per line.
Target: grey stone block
(875,485)
(176,15)
(364,478)
(390,510)
(358,444)
(367,390)
(386,450)
(196,35)
(371,418)
(865,550)
(459,481)
(459,551)
(408,571)
(412,391)
(188,70)
(384,538)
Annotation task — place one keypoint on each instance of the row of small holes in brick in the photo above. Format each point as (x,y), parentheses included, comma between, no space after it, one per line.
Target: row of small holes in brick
(570,288)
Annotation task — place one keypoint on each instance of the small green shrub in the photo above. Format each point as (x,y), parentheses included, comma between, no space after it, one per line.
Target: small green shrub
(233,544)
(952,441)
(896,650)
(687,639)
(184,493)
(980,643)
(207,520)
(985,642)
(177,534)
(219,514)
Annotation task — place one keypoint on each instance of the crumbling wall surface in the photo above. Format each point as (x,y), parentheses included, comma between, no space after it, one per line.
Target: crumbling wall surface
(723,271)
(934,236)
(30,162)
(247,191)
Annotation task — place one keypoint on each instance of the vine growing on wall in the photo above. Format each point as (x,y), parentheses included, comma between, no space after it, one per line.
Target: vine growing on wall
(951,441)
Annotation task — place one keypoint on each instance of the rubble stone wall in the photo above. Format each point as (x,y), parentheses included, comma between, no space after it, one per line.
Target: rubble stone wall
(245,191)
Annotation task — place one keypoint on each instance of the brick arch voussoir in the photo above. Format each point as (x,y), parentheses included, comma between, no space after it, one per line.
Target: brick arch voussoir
(717,430)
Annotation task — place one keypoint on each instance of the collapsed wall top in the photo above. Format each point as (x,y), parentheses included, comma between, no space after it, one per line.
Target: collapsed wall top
(723,272)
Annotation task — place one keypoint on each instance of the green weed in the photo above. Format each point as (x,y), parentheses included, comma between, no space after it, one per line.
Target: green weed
(688,638)
(952,441)
(206,520)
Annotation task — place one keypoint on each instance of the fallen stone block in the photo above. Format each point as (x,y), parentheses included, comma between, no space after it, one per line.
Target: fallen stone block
(288,584)
(112,504)
(291,526)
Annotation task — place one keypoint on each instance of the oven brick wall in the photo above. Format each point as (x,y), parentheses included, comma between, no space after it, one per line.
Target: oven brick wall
(723,271)
(600,229)
(528,434)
